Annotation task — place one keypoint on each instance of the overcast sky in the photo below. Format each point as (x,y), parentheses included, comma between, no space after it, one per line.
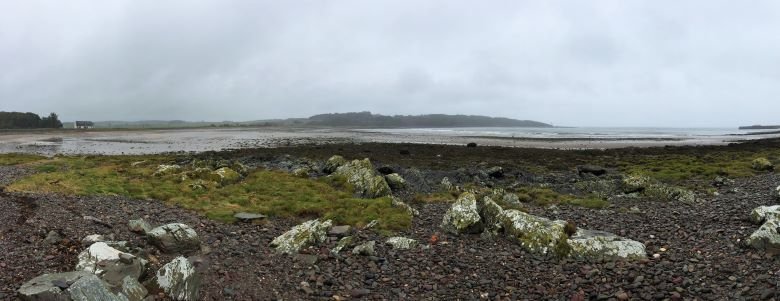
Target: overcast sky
(579,63)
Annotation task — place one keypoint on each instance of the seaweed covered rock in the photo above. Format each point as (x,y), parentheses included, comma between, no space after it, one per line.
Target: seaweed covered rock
(600,245)
(175,238)
(179,280)
(401,243)
(395,181)
(762,164)
(534,233)
(463,216)
(303,235)
(362,176)
(333,163)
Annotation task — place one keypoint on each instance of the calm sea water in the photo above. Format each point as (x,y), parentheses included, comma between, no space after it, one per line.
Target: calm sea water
(578,132)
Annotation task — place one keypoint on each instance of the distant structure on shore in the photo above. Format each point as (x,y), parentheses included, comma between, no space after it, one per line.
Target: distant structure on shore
(83,125)
(760,127)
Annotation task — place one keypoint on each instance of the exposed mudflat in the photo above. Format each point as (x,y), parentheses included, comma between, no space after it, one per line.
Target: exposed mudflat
(700,251)
(117,142)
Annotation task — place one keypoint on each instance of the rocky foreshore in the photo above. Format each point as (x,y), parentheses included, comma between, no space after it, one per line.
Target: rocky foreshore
(652,242)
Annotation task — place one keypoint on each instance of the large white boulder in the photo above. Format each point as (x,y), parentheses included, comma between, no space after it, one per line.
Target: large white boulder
(762,213)
(179,280)
(600,245)
(362,176)
(175,238)
(463,216)
(303,235)
(534,233)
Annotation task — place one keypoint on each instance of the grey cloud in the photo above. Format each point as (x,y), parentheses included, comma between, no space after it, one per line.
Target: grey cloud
(695,63)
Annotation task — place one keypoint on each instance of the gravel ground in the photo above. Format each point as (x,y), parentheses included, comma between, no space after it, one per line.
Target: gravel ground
(703,257)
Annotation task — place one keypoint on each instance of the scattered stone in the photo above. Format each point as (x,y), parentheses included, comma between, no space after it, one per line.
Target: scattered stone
(179,280)
(303,235)
(175,238)
(395,181)
(139,226)
(401,243)
(635,183)
(333,163)
(306,259)
(365,249)
(599,245)
(343,243)
(536,234)
(339,231)
(762,164)
(248,217)
(591,169)
(165,170)
(511,198)
(463,216)
(471,144)
(133,290)
(97,221)
(53,238)
(361,174)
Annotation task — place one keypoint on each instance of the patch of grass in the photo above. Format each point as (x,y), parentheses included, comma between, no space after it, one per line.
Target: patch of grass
(683,167)
(16,159)
(547,196)
(437,197)
(268,192)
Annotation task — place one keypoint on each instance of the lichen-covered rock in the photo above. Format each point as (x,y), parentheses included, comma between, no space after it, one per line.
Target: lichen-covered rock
(302,172)
(766,238)
(599,245)
(463,216)
(365,249)
(91,288)
(511,198)
(226,176)
(395,181)
(139,226)
(491,214)
(179,280)
(175,238)
(333,163)
(303,235)
(50,286)
(446,185)
(343,243)
(165,170)
(396,202)
(534,233)
(107,262)
(762,164)
(776,193)
(132,289)
(763,213)
(362,176)
(401,243)
(670,193)
(635,183)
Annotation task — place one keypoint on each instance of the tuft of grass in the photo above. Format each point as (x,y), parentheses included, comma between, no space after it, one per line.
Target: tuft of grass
(547,196)
(17,158)
(269,192)
(437,197)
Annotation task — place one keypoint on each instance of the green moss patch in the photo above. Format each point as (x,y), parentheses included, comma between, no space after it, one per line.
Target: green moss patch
(16,159)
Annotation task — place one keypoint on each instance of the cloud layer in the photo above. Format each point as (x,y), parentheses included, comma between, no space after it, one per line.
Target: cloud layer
(599,63)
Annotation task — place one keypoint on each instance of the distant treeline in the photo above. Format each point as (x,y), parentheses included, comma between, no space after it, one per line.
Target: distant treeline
(366,119)
(19,120)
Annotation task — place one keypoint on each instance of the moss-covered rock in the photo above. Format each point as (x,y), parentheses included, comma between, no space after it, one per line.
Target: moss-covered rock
(635,183)
(670,193)
(302,172)
(362,176)
(762,164)
(395,181)
(599,245)
(333,163)
(401,243)
(306,234)
(463,216)
(534,233)
(766,238)
(226,176)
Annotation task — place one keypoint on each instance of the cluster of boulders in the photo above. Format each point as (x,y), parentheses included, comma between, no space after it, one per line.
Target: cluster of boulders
(316,233)
(204,174)
(115,270)
(536,234)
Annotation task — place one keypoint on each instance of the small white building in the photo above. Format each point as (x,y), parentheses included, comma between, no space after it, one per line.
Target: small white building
(83,125)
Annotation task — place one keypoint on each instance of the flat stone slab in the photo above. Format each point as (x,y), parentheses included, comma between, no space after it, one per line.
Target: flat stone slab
(248,217)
